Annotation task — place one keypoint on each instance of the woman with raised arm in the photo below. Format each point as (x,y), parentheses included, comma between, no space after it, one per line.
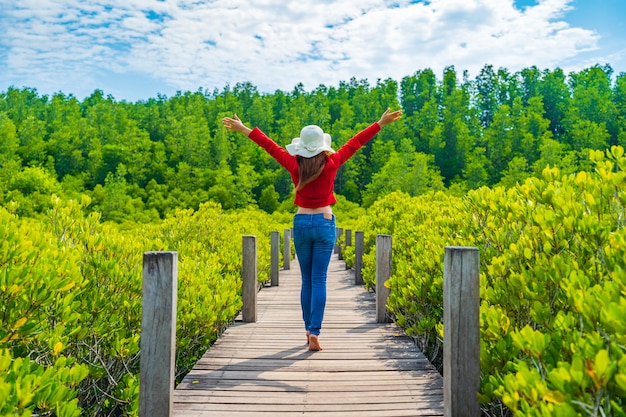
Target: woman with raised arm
(313,165)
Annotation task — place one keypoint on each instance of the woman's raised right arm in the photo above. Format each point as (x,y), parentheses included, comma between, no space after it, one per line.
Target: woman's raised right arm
(257,136)
(236,125)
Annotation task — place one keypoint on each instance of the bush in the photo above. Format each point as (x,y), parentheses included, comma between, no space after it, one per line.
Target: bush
(553,286)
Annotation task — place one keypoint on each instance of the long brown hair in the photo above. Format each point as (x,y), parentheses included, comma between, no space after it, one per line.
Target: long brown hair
(310,168)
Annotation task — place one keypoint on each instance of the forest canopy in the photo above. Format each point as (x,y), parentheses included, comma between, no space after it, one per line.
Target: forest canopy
(140,161)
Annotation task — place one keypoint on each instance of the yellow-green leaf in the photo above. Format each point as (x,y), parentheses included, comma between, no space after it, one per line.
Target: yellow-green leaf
(555,397)
(19,323)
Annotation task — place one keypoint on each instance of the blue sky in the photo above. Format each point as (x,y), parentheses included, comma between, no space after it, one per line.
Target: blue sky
(136,49)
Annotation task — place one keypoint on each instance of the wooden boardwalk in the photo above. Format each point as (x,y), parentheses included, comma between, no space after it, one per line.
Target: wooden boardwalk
(264,369)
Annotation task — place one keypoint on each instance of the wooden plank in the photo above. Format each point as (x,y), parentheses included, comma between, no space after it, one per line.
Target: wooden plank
(265,369)
(234,387)
(376,399)
(309,412)
(291,405)
(245,352)
(288,377)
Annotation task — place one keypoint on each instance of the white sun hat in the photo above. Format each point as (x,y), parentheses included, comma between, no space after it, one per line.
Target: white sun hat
(311,142)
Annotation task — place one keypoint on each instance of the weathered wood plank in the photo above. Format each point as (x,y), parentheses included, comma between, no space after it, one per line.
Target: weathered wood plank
(290,406)
(264,368)
(288,410)
(234,387)
(390,399)
(287,377)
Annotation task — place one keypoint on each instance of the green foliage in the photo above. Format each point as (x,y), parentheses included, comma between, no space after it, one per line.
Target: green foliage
(269,199)
(9,142)
(31,189)
(466,133)
(553,289)
(27,388)
(71,300)
(405,170)
(40,287)
(546,244)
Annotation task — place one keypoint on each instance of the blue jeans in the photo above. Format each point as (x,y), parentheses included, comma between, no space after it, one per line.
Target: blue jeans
(314,238)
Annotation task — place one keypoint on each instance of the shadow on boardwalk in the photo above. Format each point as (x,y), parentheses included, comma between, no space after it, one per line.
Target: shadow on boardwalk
(264,368)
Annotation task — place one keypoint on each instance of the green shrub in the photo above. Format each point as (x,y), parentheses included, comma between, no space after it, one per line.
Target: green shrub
(553,286)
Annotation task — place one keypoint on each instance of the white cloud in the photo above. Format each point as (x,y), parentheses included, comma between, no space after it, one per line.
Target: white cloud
(68,44)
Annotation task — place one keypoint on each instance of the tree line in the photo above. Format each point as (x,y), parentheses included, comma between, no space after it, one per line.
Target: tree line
(143,160)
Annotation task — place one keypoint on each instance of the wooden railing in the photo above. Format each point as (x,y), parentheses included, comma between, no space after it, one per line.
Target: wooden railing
(461,361)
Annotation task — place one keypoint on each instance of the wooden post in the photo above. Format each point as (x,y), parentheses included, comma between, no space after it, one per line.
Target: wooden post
(348,240)
(338,234)
(249,277)
(157,368)
(383,272)
(359,248)
(287,249)
(461,327)
(274,254)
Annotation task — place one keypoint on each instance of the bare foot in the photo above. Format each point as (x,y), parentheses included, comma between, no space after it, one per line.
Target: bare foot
(308,334)
(314,343)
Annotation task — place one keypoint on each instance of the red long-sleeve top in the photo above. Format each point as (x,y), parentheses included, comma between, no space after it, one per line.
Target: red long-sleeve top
(319,192)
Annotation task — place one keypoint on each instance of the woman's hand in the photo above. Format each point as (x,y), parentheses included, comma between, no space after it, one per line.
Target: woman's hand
(236,125)
(389,117)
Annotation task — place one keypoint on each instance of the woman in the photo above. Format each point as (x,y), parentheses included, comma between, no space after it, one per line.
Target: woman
(313,165)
